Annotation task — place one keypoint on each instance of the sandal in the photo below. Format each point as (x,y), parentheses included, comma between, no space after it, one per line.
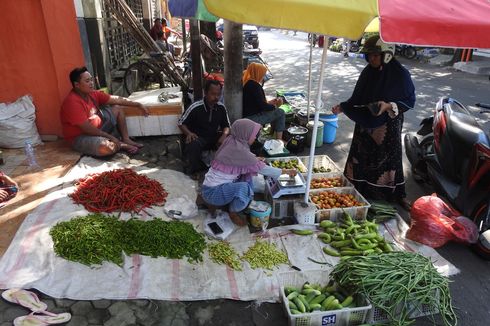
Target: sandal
(41,320)
(25,298)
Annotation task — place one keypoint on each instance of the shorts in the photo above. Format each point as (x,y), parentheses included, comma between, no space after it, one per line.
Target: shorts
(89,145)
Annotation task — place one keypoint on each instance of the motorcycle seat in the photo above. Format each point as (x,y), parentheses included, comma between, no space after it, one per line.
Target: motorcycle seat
(466,132)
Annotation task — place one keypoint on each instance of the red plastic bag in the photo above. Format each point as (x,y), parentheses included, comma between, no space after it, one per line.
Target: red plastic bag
(434,223)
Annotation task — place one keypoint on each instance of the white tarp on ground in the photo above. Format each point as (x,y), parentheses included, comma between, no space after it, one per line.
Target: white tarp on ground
(30,261)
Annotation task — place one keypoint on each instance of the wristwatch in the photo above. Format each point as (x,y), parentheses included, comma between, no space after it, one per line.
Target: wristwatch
(394,110)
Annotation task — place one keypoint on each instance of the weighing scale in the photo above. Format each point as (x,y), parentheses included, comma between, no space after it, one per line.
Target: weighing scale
(285,185)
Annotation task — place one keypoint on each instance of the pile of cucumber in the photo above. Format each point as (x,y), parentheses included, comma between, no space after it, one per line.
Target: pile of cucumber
(313,297)
(352,238)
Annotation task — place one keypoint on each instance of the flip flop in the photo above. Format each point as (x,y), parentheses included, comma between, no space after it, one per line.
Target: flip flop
(25,298)
(41,320)
(131,150)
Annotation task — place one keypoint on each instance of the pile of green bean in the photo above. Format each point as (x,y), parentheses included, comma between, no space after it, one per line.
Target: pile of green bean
(264,255)
(395,282)
(96,238)
(221,252)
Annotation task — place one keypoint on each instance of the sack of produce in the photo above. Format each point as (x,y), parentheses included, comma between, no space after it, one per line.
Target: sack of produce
(434,223)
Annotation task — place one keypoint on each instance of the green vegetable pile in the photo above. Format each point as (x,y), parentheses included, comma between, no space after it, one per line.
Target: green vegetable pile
(89,240)
(221,252)
(313,297)
(158,238)
(398,283)
(352,238)
(264,255)
(380,212)
(96,238)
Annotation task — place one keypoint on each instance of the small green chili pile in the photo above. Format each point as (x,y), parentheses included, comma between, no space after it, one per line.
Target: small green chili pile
(221,252)
(398,283)
(264,255)
(89,240)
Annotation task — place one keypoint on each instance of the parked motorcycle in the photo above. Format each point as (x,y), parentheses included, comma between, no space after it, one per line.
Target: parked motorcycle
(454,155)
(406,51)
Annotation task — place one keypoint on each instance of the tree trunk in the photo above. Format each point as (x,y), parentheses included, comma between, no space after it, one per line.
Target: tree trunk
(233,69)
(208,29)
(196,59)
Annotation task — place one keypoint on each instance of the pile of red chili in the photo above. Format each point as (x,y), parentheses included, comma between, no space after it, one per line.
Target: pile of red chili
(118,190)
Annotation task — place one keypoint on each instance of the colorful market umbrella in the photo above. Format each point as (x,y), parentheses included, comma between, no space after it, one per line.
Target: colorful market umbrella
(191,9)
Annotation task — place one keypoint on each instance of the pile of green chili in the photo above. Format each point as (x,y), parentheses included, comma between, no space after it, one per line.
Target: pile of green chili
(221,252)
(264,255)
(397,282)
(96,238)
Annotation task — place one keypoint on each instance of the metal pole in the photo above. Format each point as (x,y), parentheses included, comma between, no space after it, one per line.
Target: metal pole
(318,106)
(309,81)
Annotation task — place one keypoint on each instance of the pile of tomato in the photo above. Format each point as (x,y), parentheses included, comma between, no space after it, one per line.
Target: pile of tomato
(318,183)
(330,199)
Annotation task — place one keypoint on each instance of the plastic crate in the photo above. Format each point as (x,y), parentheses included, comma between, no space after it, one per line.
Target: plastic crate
(321,161)
(342,317)
(358,213)
(416,309)
(344,180)
(302,168)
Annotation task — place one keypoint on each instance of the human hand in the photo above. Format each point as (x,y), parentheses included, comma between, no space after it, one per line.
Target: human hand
(8,181)
(3,195)
(222,139)
(144,108)
(337,109)
(384,107)
(260,158)
(290,172)
(279,102)
(117,143)
(190,137)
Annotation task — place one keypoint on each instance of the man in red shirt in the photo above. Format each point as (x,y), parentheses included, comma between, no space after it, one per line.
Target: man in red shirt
(89,125)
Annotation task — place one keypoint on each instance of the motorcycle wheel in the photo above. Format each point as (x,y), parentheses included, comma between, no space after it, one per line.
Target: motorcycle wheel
(409,52)
(482,246)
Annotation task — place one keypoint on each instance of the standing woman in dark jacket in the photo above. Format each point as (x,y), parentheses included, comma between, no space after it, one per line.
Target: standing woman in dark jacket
(374,164)
(255,106)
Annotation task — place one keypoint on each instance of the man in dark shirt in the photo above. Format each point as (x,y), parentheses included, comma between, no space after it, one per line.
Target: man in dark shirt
(205,125)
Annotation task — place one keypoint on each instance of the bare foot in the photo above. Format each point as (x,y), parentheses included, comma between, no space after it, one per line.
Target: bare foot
(133,143)
(237,219)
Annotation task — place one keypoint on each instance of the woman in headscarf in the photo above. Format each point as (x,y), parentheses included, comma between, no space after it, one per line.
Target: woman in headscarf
(229,179)
(374,164)
(255,105)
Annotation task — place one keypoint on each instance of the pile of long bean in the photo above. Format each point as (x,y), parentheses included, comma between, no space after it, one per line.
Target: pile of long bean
(396,282)
(89,240)
(264,255)
(221,252)
(118,190)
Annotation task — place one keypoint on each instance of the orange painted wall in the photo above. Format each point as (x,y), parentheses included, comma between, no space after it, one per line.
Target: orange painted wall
(39,45)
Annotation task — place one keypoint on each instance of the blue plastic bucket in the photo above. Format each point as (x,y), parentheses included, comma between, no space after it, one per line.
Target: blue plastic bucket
(330,126)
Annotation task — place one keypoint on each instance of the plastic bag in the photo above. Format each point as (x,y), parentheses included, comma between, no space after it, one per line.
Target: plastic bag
(18,123)
(434,223)
(181,208)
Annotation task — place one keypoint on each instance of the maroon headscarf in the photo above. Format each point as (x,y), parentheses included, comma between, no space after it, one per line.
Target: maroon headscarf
(234,155)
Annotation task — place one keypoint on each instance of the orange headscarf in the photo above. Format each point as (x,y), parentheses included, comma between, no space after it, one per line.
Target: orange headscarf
(255,71)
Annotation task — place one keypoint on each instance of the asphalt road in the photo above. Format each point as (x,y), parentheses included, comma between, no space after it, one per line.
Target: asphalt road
(288,58)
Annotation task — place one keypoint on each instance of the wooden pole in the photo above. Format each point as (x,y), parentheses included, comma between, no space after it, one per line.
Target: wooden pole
(196,59)
(463,55)
(184,37)
(233,69)
(468,55)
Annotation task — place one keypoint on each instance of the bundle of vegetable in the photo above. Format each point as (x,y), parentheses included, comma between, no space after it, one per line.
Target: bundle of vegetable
(264,255)
(158,238)
(89,240)
(118,190)
(313,297)
(380,212)
(221,252)
(351,238)
(395,283)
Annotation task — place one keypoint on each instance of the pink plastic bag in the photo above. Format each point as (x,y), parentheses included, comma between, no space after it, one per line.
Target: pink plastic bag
(434,223)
